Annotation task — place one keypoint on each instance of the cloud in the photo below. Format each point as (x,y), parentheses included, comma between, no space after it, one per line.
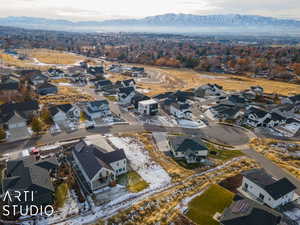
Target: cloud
(99,10)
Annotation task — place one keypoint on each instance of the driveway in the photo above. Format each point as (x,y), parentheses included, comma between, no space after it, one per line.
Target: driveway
(272,168)
(161,141)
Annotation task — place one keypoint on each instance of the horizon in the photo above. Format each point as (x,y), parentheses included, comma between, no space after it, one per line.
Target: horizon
(93,10)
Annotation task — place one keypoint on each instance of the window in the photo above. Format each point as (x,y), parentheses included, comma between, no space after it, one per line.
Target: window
(261,196)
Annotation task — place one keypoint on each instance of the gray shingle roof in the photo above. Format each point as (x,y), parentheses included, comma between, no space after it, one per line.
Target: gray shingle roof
(93,158)
(183,144)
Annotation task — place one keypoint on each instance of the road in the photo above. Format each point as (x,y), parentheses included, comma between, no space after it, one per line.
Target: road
(271,167)
(219,133)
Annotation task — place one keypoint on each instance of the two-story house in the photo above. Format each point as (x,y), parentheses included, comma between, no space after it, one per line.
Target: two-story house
(97,109)
(64,113)
(191,149)
(125,95)
(264,188)
(148,107)
(99,168)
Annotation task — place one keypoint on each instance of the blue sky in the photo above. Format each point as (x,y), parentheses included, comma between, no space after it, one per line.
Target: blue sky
(115,9)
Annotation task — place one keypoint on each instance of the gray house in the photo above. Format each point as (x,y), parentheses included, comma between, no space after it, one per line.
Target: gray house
(191,149)
(28,174)
(46,89)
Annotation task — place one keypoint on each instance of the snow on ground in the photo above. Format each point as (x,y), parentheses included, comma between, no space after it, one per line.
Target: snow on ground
(65,84)
(190,124)
(160,121)
(143,90)
(141,162)
(294,214)
(211,76)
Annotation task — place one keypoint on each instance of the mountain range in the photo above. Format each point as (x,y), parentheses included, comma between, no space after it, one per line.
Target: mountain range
(179,22)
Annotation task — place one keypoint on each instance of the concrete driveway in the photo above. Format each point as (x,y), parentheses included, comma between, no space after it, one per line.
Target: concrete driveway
(161,141)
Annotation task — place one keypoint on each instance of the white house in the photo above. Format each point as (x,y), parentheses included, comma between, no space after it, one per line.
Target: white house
(264,188)
(256,117)
(126,83)
(191,149)
(209,90)
(63,113)
(98,167)
(181,110)
(125,95)
(148,107)
(97,109)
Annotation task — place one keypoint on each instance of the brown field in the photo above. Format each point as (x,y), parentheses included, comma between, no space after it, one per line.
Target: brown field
(184,79)
(65,95)
(9,60)
(283,160)
(51,56)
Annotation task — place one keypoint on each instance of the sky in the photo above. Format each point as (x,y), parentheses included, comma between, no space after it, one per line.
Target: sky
(84,10)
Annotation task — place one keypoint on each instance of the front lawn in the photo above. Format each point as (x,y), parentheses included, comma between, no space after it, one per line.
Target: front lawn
(189,166)
(133,181)
(61,193)
(202,208)
(223,154)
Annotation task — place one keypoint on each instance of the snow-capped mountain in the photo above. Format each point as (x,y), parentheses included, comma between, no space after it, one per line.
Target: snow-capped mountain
(166,20)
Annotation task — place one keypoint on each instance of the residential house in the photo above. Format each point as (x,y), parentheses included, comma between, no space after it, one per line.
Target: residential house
(126,83)
(290,128)
(181,110)
(148,107)
(97,109)
(244,211)
(291,100)
(29,108)
(56,73)
(31,175)
(255,117)
(103,85)
(63,113)
(209,90)
(125,95)
(264,188)
(46,89)
(99,168)
(9,83)
(192,150)
(38,79)
(257,90)
(237,99)
(76,70)
(138,97)
(96,70)
(274,120)
(224,112)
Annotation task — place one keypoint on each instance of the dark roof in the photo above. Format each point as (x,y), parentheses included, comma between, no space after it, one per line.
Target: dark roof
(256,111)
(275,188)
(13,117)
(226,110)
(31,175)
(55,109)
(19,107)
(46,85)
(277,117)
(182,144)
(163,95)
(181,106)
(280,188)
(126,90)
(236,99)
(104,83)
(93,158)
(99,103)
(9,86)
(247,212)
(295,98)
(127,82)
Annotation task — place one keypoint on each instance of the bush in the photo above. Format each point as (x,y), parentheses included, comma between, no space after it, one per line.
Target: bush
(61,193)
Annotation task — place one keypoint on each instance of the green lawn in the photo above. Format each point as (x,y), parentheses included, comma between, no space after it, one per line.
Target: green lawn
(225,154)
(61,194)
(189,166)
(203,208)
(133,181)
(112,98)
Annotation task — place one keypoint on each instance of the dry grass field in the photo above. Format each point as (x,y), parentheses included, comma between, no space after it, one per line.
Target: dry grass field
(291,164)
(184,79)
(65,95)
(52,57)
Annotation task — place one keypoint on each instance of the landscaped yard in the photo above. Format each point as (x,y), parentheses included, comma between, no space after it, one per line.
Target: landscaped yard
(202,208)
(133,181)
(189,166)
(61,193)
(225,154)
